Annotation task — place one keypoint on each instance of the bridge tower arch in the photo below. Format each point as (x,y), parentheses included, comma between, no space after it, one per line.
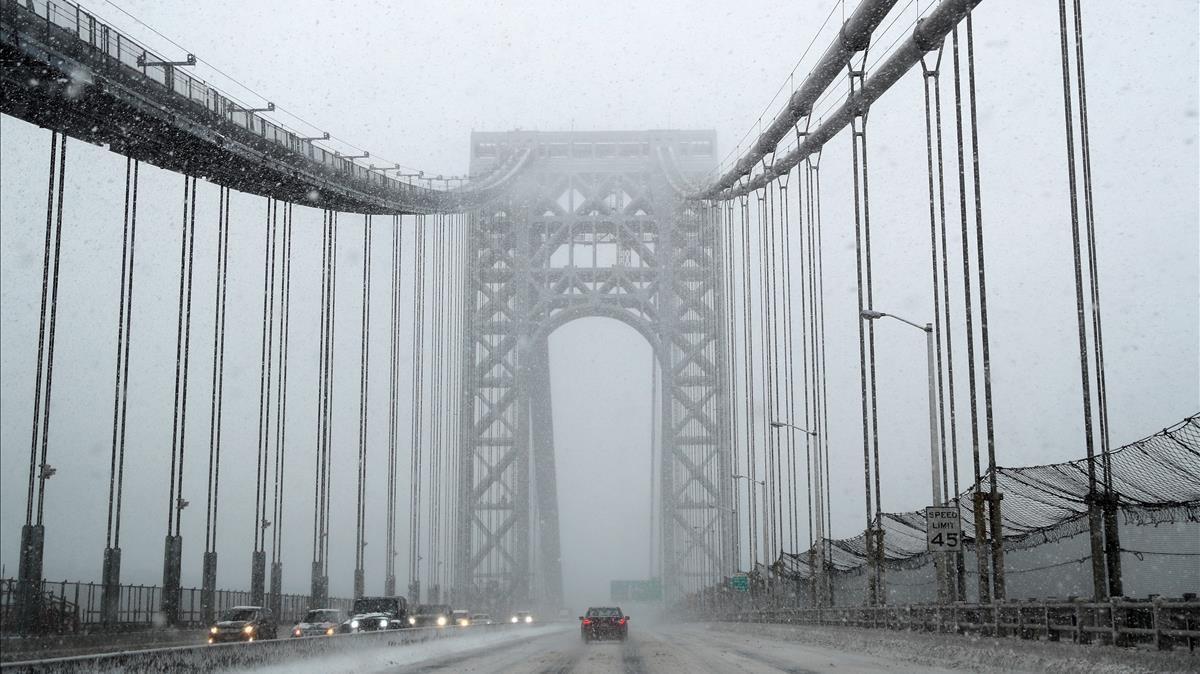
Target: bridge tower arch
(594,226)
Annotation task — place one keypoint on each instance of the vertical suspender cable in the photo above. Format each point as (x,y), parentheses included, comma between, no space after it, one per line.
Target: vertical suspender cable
(866,341)
(978,497)
(815,168)
(994,509)
(1111,497)
(215,407)
(264,385)
(50,257)
(1095,519)
(393,416)
(731,370)
(789,461)
(363,387)
(318,468)
(116,478)
(281,395)
(417,411)
(748,370)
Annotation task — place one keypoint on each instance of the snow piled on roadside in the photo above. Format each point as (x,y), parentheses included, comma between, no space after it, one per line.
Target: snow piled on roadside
(982,654)
(374,658)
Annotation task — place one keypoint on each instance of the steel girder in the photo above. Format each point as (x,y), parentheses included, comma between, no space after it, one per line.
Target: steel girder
(578,237)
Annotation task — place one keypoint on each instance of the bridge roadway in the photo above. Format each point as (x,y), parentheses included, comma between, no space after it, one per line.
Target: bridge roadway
(651,647)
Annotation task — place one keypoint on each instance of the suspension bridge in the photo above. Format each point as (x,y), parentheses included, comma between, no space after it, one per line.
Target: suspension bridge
(720,264)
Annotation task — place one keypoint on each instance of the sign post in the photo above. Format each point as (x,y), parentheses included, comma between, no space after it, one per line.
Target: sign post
(943,534)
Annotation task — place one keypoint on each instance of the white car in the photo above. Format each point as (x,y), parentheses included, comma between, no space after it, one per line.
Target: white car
(521,617)
(482,619)
(319,622)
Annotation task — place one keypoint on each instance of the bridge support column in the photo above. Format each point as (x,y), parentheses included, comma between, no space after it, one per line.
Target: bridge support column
(545,485)
(172,559)
(110,592)
(208,588)
(1112,542)
(29,576)
(389,586)
(275,598)
(319,592)
(258,577)
(981,541)
(358,583)
(998,590)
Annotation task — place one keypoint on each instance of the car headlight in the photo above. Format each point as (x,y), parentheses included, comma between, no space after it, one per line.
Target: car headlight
(296,632)
(528,618)
(412,621)
(514,619)
(248,629)
(212,630)
(353,624)
(329,632)
(383,623)
(441,621)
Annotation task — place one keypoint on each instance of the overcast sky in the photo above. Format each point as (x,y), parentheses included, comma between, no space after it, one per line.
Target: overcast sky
(409,81)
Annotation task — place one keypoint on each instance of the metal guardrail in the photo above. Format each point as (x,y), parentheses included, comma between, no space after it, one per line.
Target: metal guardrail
(1163,623)
(71,18)
(138,606)
(240,655)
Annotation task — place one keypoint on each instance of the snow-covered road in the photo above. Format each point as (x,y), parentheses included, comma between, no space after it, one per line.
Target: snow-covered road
(558,648)
(724,647)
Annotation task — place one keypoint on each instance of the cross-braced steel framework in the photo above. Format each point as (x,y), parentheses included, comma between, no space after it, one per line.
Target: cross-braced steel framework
(595,226)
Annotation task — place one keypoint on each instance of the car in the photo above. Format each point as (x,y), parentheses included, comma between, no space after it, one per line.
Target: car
(368,622)
(460,618)
(396,609)
(482,619)
(243,623)
(430,615)
(524,617)
(319,622)
(603,622)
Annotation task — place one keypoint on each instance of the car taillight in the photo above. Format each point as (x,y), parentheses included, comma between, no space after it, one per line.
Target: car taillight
(621,621)
(586,621)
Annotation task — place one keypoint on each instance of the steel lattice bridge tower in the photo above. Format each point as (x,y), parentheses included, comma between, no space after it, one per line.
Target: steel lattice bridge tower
(596,225)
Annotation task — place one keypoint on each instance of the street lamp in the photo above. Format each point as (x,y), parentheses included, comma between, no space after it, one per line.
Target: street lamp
(784,424)
(934,459)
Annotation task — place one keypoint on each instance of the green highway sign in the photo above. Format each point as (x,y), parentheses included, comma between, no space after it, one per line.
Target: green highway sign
(739,582)
(636,590)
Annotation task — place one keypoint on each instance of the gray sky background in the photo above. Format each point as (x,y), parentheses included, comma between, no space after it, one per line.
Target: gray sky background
(409,81)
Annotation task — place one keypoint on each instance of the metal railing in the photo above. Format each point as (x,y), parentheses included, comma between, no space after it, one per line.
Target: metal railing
(60,16)
(138,605)
(1160,622)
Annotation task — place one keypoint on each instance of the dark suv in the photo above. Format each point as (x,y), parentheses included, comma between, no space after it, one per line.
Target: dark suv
(431,615)
(603,622)
(243,623)
(396,608)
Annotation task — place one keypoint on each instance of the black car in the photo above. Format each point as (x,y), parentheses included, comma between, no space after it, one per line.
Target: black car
(603,622)
(431,615)
(243,623)
(395,608)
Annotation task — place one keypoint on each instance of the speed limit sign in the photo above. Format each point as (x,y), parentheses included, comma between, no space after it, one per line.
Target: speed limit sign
(943,529)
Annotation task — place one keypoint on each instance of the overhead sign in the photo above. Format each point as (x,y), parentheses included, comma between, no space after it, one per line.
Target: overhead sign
(739,582)
(943,529)
(636,590)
